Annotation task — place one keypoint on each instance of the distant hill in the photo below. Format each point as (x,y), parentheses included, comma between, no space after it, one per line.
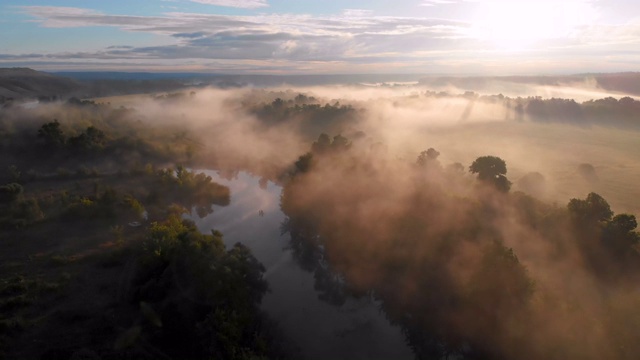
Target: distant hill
(103,83)
(20,83)
(25,83)
(623,82)
(123,75)
(239,80)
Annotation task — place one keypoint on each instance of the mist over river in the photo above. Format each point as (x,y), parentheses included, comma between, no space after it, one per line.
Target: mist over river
(354,330)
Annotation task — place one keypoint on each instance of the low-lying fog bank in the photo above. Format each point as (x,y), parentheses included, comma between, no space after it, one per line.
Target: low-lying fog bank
(269,129)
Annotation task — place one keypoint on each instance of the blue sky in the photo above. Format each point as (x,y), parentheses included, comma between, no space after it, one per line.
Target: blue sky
(314,36)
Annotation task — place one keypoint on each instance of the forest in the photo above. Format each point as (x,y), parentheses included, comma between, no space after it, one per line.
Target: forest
(481,226)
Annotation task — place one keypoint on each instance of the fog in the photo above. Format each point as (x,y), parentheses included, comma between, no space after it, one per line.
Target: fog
(358,202)
(425,237)
(462,128)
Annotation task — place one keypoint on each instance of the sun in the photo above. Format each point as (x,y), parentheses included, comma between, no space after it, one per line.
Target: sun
(521,25)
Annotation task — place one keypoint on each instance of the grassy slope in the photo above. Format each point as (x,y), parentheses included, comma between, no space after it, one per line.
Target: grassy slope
(556,151)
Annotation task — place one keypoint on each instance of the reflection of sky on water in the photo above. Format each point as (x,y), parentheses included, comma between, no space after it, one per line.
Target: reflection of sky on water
(355,330)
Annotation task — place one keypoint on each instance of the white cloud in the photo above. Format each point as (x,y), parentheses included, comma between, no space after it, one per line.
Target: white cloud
(356,12)
(355,38)
(245,4)
(437,2)
(448,2)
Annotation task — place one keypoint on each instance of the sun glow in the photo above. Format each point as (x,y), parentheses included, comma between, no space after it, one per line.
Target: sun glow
(521,25)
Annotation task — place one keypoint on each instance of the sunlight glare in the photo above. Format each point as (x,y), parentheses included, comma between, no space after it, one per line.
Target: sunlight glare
(520,25)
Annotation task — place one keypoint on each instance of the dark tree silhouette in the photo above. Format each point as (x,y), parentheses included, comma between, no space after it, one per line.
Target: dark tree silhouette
(624,222)
(493,170)
(322,144)
(620,235)
(340,143)
(52,134)
(593,209)
(303,164)
(92,139)
(426,156)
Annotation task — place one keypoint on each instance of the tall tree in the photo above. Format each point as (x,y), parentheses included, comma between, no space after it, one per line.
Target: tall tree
(593,209)
(52,134)
(491,169)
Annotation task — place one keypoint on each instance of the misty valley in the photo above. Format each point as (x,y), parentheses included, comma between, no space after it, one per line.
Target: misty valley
(449,218)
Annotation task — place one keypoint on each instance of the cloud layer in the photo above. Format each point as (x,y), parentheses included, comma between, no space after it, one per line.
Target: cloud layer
(356,40)
(246,4)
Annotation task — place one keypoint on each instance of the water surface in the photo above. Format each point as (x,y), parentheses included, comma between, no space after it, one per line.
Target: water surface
(354,330)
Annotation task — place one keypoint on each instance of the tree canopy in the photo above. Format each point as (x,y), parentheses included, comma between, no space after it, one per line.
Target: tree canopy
(590,210)
(491,169)
(52,134)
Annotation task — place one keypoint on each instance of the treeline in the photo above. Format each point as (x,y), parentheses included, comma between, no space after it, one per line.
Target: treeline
(306,114)
(88,137)
(626,82)
(467,268)
(196,299)
(100,260)
(623,112)
(311,113)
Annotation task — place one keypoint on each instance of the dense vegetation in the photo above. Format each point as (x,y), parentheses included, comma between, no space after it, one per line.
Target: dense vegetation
(310,116)
(610,112)
(466,268)
(97,260)
(93,236)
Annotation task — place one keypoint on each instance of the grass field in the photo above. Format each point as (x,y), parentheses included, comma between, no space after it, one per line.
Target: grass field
(555,151)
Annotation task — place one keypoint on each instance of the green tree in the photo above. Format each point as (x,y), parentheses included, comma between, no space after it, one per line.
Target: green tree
(428,158)
(92,139)
(207,297)
(624,222)
(340,143)
(593,209)
(52,134)
(133,207)
(491,169)
(321,145)
(619,233)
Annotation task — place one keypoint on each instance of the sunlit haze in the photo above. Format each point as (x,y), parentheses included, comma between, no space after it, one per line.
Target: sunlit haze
(320,179)
(278,37)
(526,25)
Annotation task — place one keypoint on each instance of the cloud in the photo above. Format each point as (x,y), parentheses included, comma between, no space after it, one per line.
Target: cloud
(357,12)
(245,4)
(193,35)
(437,2)
(353,34)
(341,42)
(430,3)
(120,47)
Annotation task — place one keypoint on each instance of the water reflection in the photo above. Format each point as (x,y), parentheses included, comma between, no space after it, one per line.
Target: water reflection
(354,330)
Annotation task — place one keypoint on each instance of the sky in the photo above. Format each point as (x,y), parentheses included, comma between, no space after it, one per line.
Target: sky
(465,37)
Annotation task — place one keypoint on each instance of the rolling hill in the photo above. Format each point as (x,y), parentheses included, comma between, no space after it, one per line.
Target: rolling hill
(19,83)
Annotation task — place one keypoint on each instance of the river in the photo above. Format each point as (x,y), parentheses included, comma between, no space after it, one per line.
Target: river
(354,330)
